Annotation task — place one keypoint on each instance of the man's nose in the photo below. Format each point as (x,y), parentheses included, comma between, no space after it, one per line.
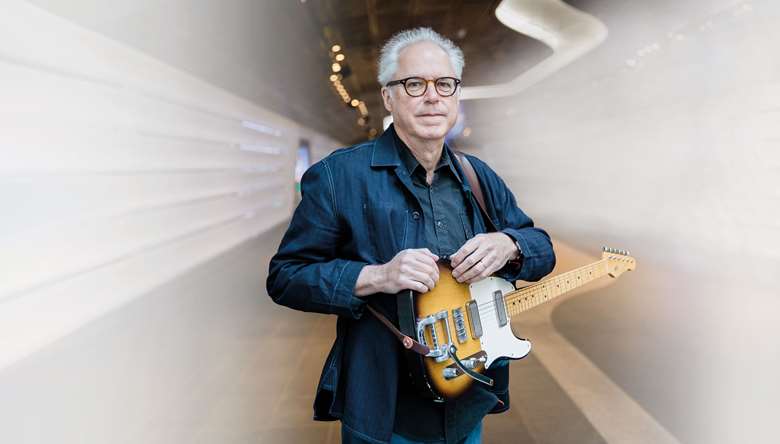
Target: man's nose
(431,95)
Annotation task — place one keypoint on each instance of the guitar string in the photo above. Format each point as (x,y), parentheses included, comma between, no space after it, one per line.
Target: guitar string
(527,303)
(489,305)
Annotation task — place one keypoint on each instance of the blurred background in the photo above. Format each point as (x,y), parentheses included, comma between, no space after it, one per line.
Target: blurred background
(150,158)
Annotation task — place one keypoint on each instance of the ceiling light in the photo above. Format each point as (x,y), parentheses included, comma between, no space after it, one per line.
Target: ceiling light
(336,48)
(334,78)
(336,67)
(354,102)
(339,57)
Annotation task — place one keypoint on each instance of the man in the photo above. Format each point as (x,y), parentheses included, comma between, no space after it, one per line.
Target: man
(374,220)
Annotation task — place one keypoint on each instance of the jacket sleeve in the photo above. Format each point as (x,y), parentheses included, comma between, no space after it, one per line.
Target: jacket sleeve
(538,257)
(306,273)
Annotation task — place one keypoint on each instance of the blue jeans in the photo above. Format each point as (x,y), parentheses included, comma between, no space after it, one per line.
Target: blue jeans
(347,436)
(475,437)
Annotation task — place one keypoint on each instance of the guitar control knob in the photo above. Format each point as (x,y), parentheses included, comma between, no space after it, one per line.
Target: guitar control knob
(472,363)
(450,373)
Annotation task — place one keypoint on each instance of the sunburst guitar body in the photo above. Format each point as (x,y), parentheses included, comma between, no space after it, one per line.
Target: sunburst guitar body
(467,326)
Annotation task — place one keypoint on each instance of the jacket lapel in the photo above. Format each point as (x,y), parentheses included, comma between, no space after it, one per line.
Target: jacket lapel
(385,154)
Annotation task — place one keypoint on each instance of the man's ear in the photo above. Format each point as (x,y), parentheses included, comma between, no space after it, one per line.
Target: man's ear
(387,99)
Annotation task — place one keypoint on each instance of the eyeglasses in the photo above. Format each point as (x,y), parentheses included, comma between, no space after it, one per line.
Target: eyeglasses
(417,86)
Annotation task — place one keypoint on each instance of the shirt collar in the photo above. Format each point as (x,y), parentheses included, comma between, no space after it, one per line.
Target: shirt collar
(411,163)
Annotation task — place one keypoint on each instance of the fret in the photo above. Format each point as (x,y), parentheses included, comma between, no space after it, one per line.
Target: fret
(529,297)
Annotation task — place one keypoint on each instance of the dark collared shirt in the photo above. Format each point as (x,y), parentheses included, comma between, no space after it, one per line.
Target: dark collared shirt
(447,225)
(447,228)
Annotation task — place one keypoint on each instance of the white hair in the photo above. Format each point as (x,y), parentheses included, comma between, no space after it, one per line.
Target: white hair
(388,59)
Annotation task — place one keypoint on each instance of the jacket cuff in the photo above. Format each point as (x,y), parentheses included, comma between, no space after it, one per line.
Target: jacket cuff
(344,293)
(511,270)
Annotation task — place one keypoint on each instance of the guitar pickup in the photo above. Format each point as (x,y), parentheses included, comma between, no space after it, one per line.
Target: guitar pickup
(498,299)
(460,325)
(474,322)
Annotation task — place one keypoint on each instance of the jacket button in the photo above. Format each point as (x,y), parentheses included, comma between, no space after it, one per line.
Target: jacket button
(415,215)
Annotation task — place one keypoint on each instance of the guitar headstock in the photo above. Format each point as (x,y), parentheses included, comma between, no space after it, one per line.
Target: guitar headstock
(618,261)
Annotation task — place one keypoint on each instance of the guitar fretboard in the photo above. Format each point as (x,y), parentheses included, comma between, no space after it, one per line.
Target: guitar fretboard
(529,297)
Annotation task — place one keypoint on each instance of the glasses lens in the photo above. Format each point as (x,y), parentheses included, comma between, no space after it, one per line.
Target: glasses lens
(415,86)
(445,86)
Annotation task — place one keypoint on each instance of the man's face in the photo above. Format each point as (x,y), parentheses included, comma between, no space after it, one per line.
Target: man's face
(429,116)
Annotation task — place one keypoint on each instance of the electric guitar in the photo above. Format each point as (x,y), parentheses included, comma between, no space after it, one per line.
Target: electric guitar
(466,328)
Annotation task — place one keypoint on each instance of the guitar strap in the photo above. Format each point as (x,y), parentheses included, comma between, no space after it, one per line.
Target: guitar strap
(476,189)
(471,178)
(408,343)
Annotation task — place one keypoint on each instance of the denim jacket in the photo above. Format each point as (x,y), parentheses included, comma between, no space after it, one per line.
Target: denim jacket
(357,208)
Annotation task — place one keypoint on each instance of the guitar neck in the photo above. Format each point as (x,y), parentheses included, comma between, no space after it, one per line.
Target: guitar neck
(529,297)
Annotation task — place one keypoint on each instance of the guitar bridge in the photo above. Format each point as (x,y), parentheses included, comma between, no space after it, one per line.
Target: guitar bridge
(438,347)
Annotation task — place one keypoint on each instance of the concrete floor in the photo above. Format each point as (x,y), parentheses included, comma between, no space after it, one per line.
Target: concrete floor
(209,358)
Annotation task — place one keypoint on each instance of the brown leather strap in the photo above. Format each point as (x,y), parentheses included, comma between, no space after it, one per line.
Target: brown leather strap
(476,188)
(407,342)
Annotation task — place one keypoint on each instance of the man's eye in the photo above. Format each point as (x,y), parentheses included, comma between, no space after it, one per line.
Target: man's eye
(414,84)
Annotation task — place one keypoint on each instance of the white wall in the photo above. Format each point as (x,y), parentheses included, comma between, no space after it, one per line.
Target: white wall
(671,153)
(118,173)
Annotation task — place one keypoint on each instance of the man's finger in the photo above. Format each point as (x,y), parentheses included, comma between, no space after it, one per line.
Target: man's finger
(489,266)
(429,268)
(424,255)
(468,263)
(423,278)
(429,253)
(421,263)
(464,252)
(474,272)
(416,286)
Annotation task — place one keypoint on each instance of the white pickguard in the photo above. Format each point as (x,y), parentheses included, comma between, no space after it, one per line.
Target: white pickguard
(496,341)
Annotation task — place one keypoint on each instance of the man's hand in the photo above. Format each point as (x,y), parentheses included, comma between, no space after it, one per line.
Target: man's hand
(412,269)
(481,256)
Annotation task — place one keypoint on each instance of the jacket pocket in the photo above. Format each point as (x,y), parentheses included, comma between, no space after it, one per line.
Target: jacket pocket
(388,229)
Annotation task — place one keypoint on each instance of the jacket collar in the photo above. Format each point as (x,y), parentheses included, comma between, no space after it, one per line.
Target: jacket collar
(385,153)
